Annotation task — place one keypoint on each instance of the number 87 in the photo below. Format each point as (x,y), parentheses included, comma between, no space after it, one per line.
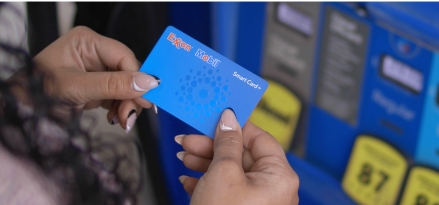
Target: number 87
(366,175)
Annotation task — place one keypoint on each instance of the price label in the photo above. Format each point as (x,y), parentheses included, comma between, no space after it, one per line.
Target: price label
(375,172)
(422,187)
(278,113)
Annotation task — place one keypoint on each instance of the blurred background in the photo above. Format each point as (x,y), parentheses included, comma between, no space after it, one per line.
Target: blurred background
(353,96)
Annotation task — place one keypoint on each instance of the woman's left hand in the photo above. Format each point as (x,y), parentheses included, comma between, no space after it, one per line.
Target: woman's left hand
(241,166)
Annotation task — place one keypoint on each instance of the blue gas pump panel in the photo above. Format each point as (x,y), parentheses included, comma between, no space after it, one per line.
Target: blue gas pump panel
(394,89)
(336,99)
(379,90)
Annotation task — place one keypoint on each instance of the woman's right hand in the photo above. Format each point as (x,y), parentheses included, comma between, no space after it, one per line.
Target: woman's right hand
(245,166)
(86,70)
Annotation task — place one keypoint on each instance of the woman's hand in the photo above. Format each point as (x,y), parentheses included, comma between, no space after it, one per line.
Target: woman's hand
(86,70)
(245,166)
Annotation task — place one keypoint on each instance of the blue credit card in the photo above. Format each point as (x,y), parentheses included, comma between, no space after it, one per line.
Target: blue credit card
(197,83)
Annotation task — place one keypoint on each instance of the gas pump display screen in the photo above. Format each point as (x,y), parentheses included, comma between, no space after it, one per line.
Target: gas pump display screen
(402,74)
(294,19)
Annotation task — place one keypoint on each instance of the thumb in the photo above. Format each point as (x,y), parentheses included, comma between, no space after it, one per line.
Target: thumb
(228,142)
(120,85)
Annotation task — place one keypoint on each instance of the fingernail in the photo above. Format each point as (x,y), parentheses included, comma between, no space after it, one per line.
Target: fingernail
(182,178)
(180,155)
(144,82)
(155,109)
(115,120)
(179,138)
(131,120)
(228,121)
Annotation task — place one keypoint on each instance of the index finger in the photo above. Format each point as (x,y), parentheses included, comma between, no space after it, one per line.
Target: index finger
(115,55)
(99,52)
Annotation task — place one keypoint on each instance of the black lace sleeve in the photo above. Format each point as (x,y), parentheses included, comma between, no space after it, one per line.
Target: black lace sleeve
(89,169)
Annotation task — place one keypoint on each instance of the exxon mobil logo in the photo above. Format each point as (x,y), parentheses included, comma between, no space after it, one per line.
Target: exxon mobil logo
(178,42)
(404,47)
(207,58)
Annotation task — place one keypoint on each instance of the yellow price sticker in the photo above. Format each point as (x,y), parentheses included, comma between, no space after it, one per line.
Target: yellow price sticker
(278,113)
(375,172)
(422,187)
